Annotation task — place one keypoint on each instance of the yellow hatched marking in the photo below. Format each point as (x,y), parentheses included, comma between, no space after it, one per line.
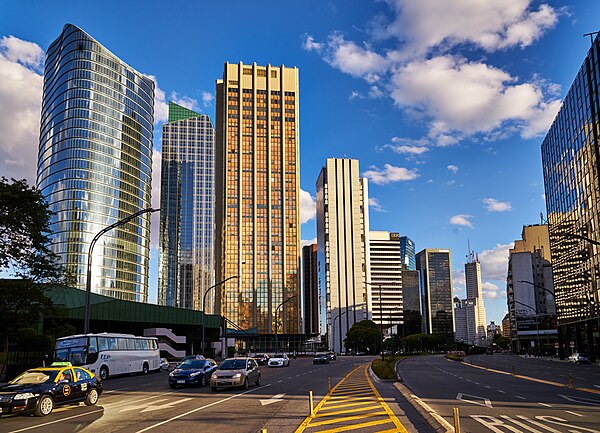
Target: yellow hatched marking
(353,388)
(353,410)
(352,394)
(337,406)
(359,426)
(348,418)
(347,399)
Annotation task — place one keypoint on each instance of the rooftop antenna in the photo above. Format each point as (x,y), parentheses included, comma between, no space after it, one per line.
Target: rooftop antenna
(591,35)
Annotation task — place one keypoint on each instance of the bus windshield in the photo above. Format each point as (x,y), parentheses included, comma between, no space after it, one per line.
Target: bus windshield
(73,350)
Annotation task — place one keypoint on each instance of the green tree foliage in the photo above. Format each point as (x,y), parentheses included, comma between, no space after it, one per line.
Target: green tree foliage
(364,336)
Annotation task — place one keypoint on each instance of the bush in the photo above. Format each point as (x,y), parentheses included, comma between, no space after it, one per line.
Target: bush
(386,369)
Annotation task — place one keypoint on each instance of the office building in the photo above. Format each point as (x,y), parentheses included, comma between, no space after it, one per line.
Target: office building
(310,283)
(95,163)
(343,247)
(506,326)
(257,198)
(436,291)
(186,261)
(476,319)
(411,303)
(572,179)
(386,279)
(407,253)
(461,334)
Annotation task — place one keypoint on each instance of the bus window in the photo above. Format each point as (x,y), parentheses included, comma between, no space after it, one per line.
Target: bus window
(102,344)
(139,344)
(122,343)
(131,344)
(112,343)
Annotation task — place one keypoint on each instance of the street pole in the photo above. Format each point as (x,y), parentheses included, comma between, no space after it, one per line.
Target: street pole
(277,309)
(88,282)
(381,317)
(204,304)
(537,321)
(333,326)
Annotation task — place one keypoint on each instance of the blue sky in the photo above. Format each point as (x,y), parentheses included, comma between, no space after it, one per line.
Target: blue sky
(445,103)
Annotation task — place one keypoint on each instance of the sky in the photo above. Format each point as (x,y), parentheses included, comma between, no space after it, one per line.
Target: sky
(444,103)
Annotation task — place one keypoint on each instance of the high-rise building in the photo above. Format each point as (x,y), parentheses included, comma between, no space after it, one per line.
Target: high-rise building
(476,320)
(436,291)
(571,169)
(257,197)
(95,163)
(386,278)
(407,253)
(411,300)
(461,325)
(506,326)
(186,262)
(533,237)
(343,247)
(310,289)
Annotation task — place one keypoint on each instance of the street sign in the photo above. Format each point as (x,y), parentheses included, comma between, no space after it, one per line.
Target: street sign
(572,345)
(556,345)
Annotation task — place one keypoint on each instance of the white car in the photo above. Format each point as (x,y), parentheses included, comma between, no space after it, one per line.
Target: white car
(279,360)
(578,358)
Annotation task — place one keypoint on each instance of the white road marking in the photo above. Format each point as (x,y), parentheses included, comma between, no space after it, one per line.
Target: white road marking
(155,406)
(200,408)
(597,386)
(279,381)
(488,387)
(573,413)
(544,404)
(58,420)
(276,398)
(503,392)
(486,401)
(581,400)
(290,377)
(522,398)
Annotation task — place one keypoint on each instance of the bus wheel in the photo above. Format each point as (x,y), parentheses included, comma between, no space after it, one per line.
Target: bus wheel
(145,368)
(104,372)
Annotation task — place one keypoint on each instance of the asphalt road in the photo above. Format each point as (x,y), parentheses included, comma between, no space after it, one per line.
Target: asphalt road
(495,402)
(147,404)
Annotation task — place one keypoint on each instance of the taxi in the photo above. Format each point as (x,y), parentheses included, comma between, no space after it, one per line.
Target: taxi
(41,389)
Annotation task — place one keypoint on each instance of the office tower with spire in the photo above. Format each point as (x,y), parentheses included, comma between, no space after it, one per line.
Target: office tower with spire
(257,197)
(95,163)
(471,330)
(343,247)
(186,261)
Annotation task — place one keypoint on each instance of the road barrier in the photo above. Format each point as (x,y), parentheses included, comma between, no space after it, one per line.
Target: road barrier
(329,384)
(456,421)
(310,403)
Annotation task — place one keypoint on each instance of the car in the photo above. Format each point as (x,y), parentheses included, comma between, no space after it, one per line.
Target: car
(235,372)
(321,358)
(578,358)
(279,360)
(261,358)
(164,364)
(489,351)
(188,357)
(331,356)
(40,390)
(192,372)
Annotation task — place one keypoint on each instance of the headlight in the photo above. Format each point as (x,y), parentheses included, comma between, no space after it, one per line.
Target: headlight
(195,374)
(237,375)
(24,396)
(214,376)
(172,373)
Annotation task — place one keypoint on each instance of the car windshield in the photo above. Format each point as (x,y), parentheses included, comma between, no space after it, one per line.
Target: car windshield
(187,365)
(35,377)
(233,364)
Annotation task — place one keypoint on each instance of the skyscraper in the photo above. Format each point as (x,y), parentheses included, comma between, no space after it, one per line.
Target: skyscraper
(470,320)
(436,291)
(411,302)
(186,263)
(257,189)
(343,247)
(311,289)
(95,162)
(407,253)
(386,278)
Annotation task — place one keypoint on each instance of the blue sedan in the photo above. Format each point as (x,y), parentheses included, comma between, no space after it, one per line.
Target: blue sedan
(192,372)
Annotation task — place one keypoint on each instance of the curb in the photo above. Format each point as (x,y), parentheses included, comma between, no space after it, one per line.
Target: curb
(377,379)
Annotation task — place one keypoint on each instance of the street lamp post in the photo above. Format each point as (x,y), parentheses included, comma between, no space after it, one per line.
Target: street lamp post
(381,309)
(277,309)
(204,304)
(88,282)
(537,315)
(333,326)
(537,323)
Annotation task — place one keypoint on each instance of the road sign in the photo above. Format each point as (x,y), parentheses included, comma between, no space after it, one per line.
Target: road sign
(572,345)
(556,345)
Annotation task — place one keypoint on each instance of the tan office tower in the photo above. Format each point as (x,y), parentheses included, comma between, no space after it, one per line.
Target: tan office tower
(343,248)
(257,188)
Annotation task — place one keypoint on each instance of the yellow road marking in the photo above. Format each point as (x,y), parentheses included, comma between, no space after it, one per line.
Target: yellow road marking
(360,426)
(359,403)
(353,410)
(348,418)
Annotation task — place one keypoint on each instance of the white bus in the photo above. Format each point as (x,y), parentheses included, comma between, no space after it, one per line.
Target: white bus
(109,354)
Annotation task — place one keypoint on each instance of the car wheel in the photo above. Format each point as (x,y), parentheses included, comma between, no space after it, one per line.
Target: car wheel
(246,384)
(203,381)
(45,406)
(104,372)
(258,381)
(145,368)
(92,397)
(213,388)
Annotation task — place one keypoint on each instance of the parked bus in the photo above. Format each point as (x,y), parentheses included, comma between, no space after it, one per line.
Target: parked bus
(109,354)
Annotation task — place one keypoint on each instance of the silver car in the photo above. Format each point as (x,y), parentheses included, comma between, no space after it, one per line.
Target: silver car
(235,372)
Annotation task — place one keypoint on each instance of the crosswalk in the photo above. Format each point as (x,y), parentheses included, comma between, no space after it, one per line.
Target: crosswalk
(353,404)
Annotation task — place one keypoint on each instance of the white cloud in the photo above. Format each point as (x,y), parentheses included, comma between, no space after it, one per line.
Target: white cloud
(493,205)
(462,220)
(355,94)
(494,262)
(309,44)
(161,107)
(304,242)
(375,92)
(208,99)
(452,168)
(375,205)
(20,106)
(390,174)
(411,150)
(308,207)
(184,101)
(492,291)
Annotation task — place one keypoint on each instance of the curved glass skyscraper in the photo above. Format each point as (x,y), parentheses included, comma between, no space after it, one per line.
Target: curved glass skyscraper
(95,162)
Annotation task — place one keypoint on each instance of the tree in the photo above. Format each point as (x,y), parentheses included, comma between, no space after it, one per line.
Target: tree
(364,336)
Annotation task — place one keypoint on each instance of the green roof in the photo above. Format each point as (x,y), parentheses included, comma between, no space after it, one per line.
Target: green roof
(177,112)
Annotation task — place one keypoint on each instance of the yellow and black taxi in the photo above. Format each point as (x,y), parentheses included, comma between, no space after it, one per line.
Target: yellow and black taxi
(39,390)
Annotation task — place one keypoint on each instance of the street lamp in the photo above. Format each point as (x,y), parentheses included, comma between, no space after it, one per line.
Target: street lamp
(204,304)
(277,309)
(537,323)
(381,309)
(539,287)
(333,326)
(88,283)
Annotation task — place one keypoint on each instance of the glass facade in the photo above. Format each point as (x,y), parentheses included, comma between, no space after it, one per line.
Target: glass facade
(571,165)
(95,162)
(257,188)
(311,289)
(436,291)
(407,253)
(186,263)
(411,302)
